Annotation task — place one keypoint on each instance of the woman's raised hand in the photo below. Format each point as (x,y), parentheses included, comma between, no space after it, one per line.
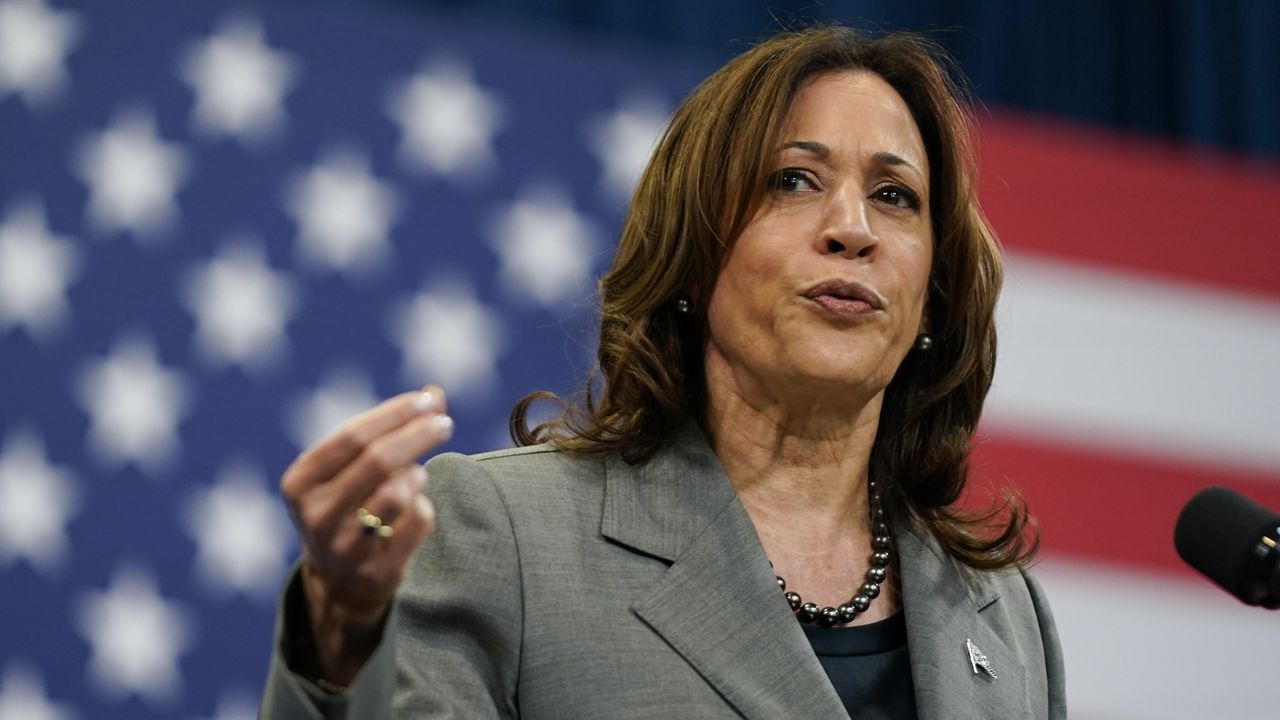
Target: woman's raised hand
(357,500)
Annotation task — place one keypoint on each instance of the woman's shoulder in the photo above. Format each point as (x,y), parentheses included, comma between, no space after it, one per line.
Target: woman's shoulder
(547,500)
(522,470)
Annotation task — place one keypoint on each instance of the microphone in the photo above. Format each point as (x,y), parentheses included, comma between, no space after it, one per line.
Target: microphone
(1234,542)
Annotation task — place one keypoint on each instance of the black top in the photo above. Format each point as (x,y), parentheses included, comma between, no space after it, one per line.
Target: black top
(869,666)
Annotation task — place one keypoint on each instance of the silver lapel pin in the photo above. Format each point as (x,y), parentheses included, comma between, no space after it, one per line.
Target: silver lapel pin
(978,660)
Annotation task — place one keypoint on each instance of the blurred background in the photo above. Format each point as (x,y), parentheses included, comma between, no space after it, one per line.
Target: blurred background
(227,226)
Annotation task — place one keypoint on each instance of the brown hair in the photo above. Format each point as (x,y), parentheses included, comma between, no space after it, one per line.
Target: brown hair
(706,179)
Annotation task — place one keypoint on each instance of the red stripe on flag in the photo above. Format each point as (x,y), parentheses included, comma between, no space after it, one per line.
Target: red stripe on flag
(1064,190)
(1105,507)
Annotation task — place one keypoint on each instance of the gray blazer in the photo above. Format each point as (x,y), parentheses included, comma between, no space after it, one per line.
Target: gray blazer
(567,587)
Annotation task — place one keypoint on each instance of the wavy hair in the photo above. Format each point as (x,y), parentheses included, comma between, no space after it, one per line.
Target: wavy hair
(705,181)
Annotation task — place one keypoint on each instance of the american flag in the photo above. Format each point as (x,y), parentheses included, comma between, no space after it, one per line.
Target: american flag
(224,228)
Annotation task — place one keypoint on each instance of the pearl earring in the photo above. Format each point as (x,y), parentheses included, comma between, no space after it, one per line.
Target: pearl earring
(683,306)
(923,342)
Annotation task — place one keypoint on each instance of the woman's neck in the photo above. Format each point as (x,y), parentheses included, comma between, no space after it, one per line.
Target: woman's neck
(794,462)
(799,462)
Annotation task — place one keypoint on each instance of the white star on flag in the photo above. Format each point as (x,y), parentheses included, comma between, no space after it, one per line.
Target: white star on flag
(132,176)
(34,41)
(241,532)
(134,405)
(624,140)
(447,121)
(236,706)
(448,338)
(545,247)
(36,500)
(240,306)
(135,637)
(22,696)
(343,393)
(343,213)
(238,80)
(35,268)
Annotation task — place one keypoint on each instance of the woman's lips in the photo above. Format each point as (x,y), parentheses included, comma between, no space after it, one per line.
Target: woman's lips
(842,289)
(842,307)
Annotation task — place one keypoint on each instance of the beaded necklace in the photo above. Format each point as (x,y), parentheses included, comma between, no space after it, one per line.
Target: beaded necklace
(880,542)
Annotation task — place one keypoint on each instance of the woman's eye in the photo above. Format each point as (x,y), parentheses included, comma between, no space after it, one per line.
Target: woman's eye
(898,197)
(794,180)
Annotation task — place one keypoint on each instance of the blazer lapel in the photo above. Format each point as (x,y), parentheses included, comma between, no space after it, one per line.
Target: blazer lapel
(718,605)
(946,606)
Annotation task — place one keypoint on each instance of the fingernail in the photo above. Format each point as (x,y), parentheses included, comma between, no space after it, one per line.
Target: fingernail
(426,402)
(445,423)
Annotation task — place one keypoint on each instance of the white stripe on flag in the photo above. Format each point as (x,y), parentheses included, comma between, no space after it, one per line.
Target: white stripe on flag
(1139,646)
(1131,363)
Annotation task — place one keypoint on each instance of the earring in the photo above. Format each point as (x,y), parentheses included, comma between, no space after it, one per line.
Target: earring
(923,342)
(683,306)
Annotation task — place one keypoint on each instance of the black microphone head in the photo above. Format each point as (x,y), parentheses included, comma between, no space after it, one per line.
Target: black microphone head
(1217,533)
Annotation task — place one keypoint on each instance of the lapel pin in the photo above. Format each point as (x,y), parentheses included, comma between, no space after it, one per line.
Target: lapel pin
(978,660)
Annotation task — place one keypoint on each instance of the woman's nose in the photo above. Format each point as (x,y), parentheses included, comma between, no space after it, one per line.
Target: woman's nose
(847,230)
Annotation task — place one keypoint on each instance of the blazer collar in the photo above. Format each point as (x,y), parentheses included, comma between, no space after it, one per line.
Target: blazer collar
(718,605)
(947,605)
(659,507)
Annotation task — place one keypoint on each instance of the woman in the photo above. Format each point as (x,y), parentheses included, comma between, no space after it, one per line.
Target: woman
(796,339)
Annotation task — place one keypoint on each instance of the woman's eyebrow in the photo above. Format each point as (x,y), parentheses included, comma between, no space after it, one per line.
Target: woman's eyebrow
(823,152)
(888,158)
(813,146)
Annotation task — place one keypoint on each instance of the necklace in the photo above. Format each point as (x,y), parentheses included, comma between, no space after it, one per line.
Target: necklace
(858,604)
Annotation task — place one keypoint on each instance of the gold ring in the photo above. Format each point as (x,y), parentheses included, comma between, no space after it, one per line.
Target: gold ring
(372,524)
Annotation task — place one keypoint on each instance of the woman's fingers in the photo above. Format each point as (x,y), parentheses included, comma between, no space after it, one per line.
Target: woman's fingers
(388,557)
(377,516)
(322,461)
(415,523)
(370,551)
(332,502)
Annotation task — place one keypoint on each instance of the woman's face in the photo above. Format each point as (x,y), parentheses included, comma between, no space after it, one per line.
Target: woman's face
(824,290)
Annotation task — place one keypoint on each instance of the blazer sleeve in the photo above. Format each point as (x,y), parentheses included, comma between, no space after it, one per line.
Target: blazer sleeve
(1054,669)
(451,647)
(289,695)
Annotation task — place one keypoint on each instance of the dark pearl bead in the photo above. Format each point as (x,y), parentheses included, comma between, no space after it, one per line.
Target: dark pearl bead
(782,583)
(828,617)
(880,542)
(870,589)
(847,613)
(880,558)
(808,612)
(877,513)
(860,603)
(793,599)
(879,529)
(872,487)
(876,574)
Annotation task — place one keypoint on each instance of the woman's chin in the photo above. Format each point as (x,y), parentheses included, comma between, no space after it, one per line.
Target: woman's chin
(846,390)
(835,372)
